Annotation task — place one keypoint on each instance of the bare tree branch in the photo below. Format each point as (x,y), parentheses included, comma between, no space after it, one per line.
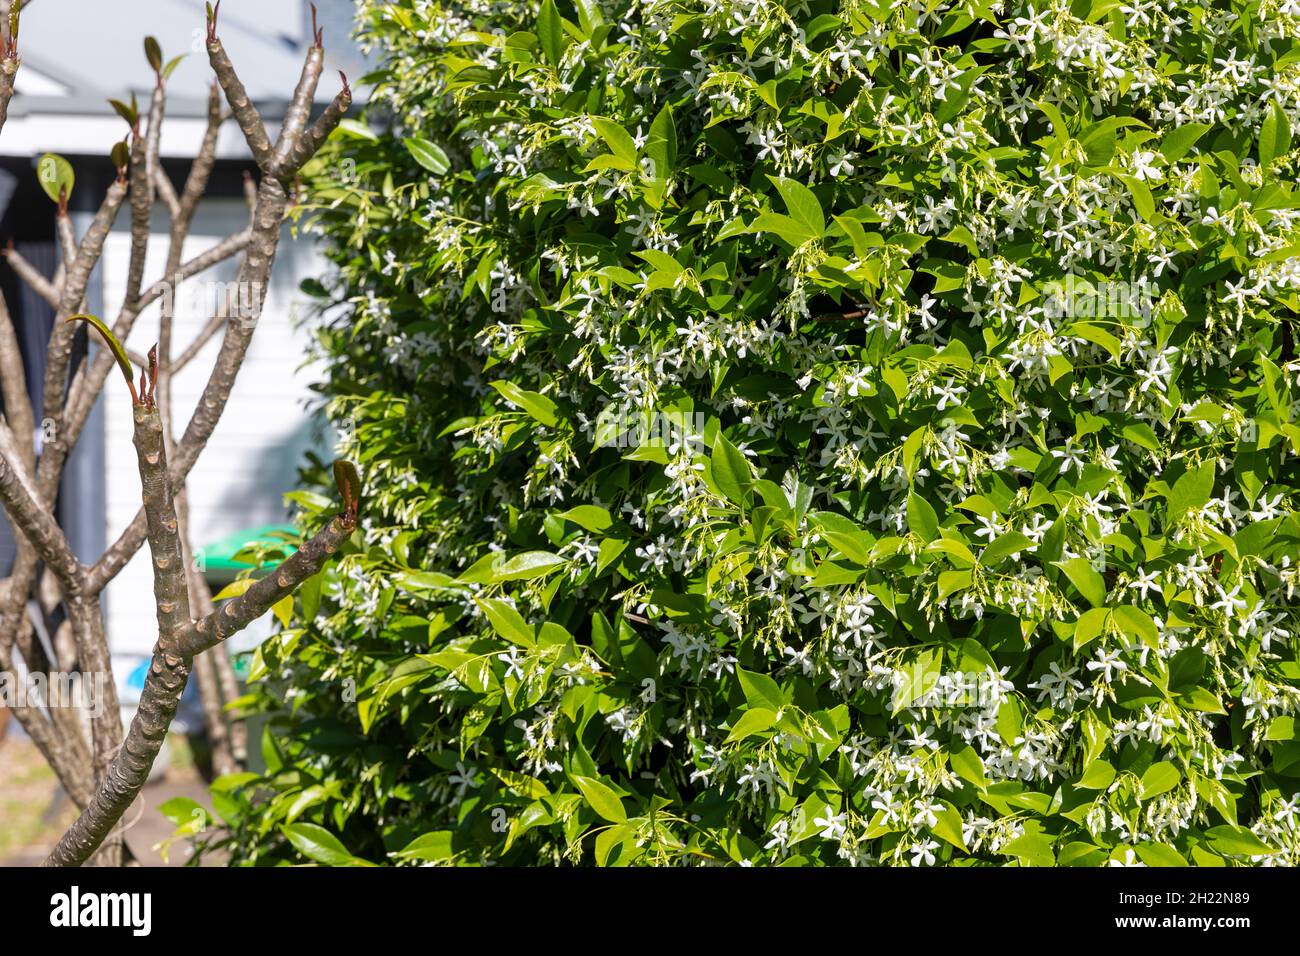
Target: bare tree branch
(207,667)
(105,773)
(309,143)
(8,68)
(42,286)
(246,115)
(59,354)
(165,190)
(13,386)
(250,192)
(237,613)
(141,207)
(254,273)
(230,691)
(171,591)
(67,238)
(129,770)
(201,168)
(21,501)
(166,681)
(299,111)
(90,378)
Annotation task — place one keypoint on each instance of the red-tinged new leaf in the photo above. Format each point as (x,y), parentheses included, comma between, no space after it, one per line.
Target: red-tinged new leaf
(349,484)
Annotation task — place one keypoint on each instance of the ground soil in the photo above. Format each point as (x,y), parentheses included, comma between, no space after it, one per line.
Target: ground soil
(34,810)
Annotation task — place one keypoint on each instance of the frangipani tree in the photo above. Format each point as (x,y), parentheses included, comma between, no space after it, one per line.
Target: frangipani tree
(101,770)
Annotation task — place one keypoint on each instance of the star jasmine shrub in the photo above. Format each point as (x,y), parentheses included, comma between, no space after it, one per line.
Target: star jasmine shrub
(806,433)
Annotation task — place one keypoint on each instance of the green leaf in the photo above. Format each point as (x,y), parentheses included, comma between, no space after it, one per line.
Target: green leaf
(534,403)
(521,783)
(855,546)
(789,229)
(1159,854)
(1274,135)
(802,205)
(1238,841)
(912,450)
(921,517)
(950,582)
(1090,626)
(435,845)
(530,564)
(550,33)
(1286,759)
(589,517)
(756,720)
(601,799)
(1136,622)
(234,589)
(611,549)
(1191,492)
(730,470)
(617,138)
(972,658)
(317,843)
(1202,699)
(1140,433)
(153,53)
(1282,728)
(130,113)
(182,810)
(1098,775)
(355,129)
(1181,139)
(1085,579)
(948,826)
(661,144)
(614,838)
(967,764)
(590,16)
(1100,140)
(55,176)
(1159,778)
(1034,849)
(922,673)
(283,610)
(427,154)
(1059,126)
(1007,544)
(760,690)
(1143,201)
(1010,721)
(506,621)
(171,65)
(962,556)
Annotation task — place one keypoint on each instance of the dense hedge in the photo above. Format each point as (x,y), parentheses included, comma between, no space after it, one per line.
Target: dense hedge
(970,330)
